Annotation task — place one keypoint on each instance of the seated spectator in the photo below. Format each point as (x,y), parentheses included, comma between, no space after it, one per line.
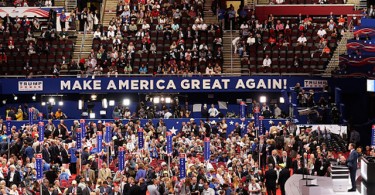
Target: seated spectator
(11,43)
(55,71)
(279,26)
(63,34)
(302,40)
(209,69)
(331,25)
(341,20)
(97,34)
(250,40)
(321,32)
(267,62)
(48,3)
(217,69)
(326,50)
(143,69)
(31,49)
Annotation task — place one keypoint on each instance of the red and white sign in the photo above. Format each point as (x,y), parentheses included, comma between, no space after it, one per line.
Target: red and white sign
(30,85)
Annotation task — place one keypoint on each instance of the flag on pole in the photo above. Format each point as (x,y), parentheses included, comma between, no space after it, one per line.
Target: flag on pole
(108,133)
(9,126)
(169,143)
(207,151)
(82,124)
(182,166)
(79,138)
(100,141)
(39,166)
(121,158)
(140,138)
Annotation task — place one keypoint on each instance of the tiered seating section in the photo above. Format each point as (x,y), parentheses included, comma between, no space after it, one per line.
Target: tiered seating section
(290,57)
(193,47)
(20,61)
(309,1)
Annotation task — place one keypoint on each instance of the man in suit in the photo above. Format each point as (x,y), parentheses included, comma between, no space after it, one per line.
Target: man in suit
(352,164)
(13,177)
(274,158)
(104,172)
(284,175)
(88,174)
(286,160)
(74,189)
(105,189)
(270,177)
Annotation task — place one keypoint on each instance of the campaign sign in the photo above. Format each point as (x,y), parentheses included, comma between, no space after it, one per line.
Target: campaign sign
(79,138)
(121,158)
(373,136)
(100,141)
(261,125)
(31,116)
(41,131)
(242,110)
(207,151)
(140,138)
(9,126)
(169,143)
(82,124)
(182,166)
(39,166)
(108,133)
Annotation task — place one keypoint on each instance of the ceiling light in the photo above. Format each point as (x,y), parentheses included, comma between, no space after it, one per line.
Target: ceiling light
(168,100)
(263,99)
(105,103)
(126,102)
(111,102)
(156,100)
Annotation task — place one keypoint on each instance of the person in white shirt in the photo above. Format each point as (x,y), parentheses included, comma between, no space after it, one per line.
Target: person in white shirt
(250,40)
(279,1)
(254,188)
(207,190)
(235,43)
(321,32)
(267,62)
(111,33)
(277,111)
(97,34)
(145,26)
(213,112)
(302,40)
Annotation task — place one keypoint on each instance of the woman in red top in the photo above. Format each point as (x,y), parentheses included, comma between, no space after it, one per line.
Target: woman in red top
(11,43)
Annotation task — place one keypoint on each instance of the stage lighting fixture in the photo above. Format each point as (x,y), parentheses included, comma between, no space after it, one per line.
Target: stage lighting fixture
(263,99)
(33,97)
(15,97)
(92,115)
(111,102)
(105,103)
(162,99)
(43,103)
(61,103)
(126,102)
(103,112)
(168,100)
(80,104)
(282,100)
(51,100)
(93,97)
(156,100)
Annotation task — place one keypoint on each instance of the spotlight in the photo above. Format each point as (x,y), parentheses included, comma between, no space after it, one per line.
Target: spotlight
(168,100)
(93,97)
(126,102)
(263,99)
(156,100)
(103,112)
(15,97)
(51,100)
(111,102)
(34,97)
(282,100)
(61,103)
(4,101)
(104,103)
(162,99)
(43,103)
(80,104)
(92,115)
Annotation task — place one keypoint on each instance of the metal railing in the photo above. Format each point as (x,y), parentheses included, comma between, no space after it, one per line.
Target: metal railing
(83,41)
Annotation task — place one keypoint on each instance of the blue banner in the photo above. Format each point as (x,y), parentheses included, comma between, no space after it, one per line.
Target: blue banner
(256,111)
(140,138)
(169,143)
(41,131)
(121,158)
(39,166)
(261,132)
(242,110)
(9,126)
(31,116)
(108,133)
(373,136)
(79,138)
(83,127)
(100,141)
(207,151)
(182,166)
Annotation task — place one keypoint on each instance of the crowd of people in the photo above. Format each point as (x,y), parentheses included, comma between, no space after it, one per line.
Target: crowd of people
(240,162)
(174,34)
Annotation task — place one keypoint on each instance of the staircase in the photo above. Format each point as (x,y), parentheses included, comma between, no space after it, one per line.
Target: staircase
(209,17)
(59,3)
(109,11)
(70,5)
(227,42)
(87,45)
(341,49)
